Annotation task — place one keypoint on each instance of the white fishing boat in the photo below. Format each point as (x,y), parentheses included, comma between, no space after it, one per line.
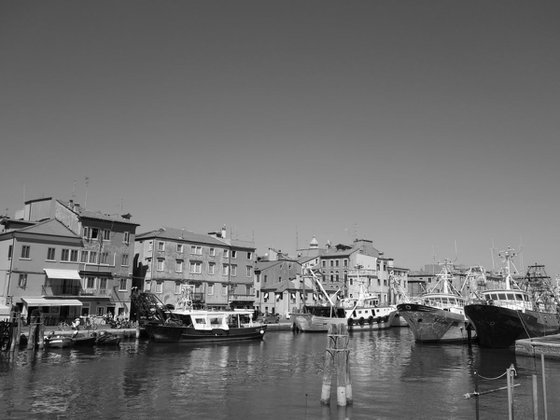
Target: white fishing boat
(440,315)
(318,318)
(366,312)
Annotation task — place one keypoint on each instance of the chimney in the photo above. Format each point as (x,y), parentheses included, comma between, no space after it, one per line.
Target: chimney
(223,232)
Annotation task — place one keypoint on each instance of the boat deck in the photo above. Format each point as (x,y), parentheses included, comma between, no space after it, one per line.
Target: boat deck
(549,346)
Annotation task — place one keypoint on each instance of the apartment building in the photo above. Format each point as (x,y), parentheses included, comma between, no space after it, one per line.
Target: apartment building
(212,269)
(103,256)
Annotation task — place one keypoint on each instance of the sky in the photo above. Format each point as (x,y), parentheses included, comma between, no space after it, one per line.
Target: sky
(431,128)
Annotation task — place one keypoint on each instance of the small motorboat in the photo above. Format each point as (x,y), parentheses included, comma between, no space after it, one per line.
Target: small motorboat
(82,340)
(105,338)
(55,341)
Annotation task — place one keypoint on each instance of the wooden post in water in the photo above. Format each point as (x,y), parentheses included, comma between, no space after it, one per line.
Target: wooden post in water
(33,324)
(535,398)
(544,388)
(341,345)
(41,332)
(337,354)
(329,361)
(509,373)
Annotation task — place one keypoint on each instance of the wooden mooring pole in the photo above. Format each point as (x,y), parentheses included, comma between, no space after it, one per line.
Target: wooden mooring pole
(337,355)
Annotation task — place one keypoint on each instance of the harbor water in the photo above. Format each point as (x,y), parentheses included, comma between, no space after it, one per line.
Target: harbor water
(277,378)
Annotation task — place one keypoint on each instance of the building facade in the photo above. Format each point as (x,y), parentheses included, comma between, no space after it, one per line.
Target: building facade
(213,270)
(104,255)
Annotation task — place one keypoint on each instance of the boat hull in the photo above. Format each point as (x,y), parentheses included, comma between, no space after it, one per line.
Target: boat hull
(314,323)
(377,323)
(167,333)
(58,342)
(499,327)
(429,324)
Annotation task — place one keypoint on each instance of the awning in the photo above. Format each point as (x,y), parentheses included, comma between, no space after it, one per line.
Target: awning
(4,310)
(58,273)
(51,302)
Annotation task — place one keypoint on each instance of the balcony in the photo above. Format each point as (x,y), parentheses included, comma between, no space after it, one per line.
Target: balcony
(95,292)
(74,291)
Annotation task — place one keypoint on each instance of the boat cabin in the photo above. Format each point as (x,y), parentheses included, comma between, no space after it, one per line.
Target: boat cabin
(209,320)
(325,311)
(443,301)
(512,299)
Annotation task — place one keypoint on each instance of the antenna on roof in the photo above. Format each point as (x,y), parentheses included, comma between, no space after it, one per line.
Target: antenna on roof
(74,191)
(87,184)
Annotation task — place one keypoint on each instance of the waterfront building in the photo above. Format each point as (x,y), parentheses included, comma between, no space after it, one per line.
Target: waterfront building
(277,290)
(216,271)
(79,258)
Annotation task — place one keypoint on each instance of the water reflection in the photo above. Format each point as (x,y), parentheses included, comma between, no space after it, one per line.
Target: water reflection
(278,378)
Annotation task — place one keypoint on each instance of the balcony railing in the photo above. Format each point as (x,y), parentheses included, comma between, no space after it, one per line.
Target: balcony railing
(74,291)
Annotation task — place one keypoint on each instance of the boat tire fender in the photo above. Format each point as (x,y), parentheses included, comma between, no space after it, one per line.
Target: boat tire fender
(370,320)
(350,322)
(361,321)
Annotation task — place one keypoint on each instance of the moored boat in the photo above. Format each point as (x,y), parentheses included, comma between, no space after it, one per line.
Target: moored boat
(365,311)
(188,325)
(57,341)
(82,340)
(439,315)
(317,318)
(505,315)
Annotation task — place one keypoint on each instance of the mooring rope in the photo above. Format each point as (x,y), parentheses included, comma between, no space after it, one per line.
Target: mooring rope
(491,379)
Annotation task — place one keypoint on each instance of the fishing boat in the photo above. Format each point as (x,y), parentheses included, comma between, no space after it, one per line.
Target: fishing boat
(188,325)
(524,309)
(440,316)
(366,312)
(58,341)
(318,318)
(83,340)
(105,338)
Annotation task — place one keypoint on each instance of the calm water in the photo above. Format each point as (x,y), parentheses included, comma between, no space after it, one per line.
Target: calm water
(279,378)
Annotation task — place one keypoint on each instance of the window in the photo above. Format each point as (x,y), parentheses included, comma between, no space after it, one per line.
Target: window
(226,253)
(177,288)
(100,310)
(103,283)
(22,281)
(196,267)
(210,289)
(122,284)
(85,231)
(124,259)
(106,234)
(161,246)
(104,258)
(211,268)
(25,251)
(332,263)
(147,286)
(51,254)
(160,264)
(159,287)
(92,257)
(74,255)
(150,245)
(179,266)
(345,263)
(212,252)
(10,250)
(65,254)
(249,255)
(324,263)
(249,270)
(233,254)
(93,233)
(90,282)
(126,239)
(225,269)
(234,270)
(224,289)
(180,248)
(84,257)
(196,250)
